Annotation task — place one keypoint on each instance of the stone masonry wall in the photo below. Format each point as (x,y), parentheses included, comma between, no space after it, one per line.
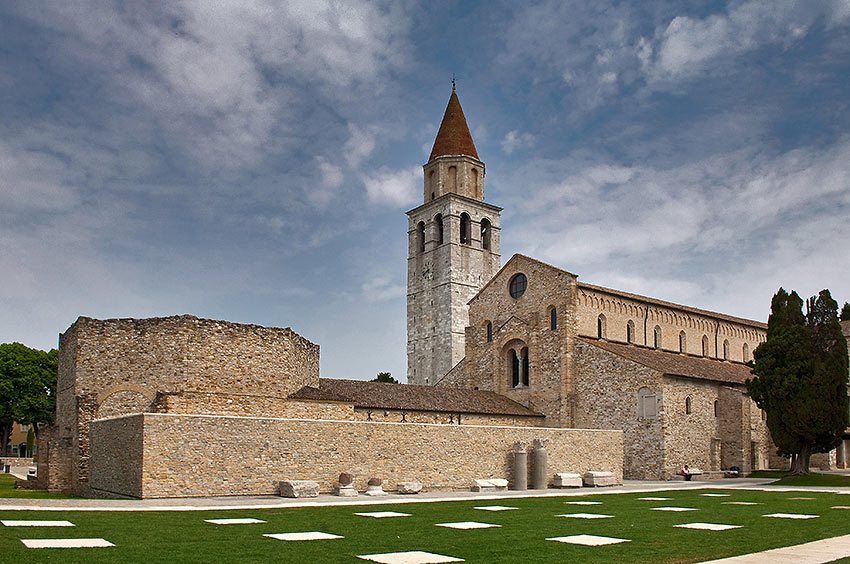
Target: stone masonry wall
(607,388)
(206,455)
(251,406)
(116,456)
(442,418)
(117,366)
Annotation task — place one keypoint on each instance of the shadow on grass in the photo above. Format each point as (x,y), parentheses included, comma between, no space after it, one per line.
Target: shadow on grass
(811,480)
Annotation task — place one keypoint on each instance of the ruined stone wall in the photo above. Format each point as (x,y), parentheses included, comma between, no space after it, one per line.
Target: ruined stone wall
(187,455)
(117,456)
(525,322)
(117,366)
(607,389)
(619,308)
(443,418)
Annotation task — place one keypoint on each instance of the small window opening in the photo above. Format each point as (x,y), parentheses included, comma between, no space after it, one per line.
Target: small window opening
(656,340)
(715,408)
(725,350)
(745,353)
(464,228)
(439,221)
(630,331)
(600,326)
(553,319)
(489,332)
(420,235)
(485,233)
(682,342)
(705,345)
(688,405)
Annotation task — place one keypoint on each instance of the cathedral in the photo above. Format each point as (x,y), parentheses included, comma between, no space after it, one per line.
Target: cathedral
(670,376)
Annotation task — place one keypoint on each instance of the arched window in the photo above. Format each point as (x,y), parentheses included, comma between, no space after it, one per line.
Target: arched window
(630,331)
(420,235)
(745,353)
(439,221)
(600,326)
(553,319)
(464,228)
(519,365)
(683,344)
(688,405)
(489,332)
(725,350)
(647,404)
(705,345)
(656,338)
(485,233)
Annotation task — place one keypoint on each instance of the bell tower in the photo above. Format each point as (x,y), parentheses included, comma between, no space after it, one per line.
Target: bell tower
(453,250)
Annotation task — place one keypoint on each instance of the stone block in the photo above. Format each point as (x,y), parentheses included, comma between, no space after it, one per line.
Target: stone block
(490,485)
(567,480)
(346,491)
(299,488)
(409,487)
(600,479)
(374,487)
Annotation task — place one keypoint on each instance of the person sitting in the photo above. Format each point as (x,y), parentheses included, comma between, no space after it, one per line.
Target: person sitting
(686,472)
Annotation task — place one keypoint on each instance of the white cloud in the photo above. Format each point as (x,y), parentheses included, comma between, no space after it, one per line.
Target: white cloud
(360,144)
(382,289)
(514,140)
(393,187)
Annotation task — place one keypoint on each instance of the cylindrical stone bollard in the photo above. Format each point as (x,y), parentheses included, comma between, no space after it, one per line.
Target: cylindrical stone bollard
(540,471)
(520,466)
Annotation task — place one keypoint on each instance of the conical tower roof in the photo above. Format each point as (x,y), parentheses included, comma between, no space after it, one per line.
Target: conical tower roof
(454,137)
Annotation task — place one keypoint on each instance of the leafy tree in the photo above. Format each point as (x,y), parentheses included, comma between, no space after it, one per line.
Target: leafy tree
(801,375)
(27,388)
(385,377)
(845,312)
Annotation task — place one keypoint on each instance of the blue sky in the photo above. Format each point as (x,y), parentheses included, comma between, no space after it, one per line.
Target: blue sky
(253,161)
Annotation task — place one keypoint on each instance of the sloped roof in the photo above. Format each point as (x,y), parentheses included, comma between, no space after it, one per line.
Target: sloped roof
(381,395)
(453,138)
(676,364)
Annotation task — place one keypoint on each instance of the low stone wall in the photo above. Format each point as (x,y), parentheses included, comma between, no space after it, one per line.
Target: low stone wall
(191,455)
(15,461)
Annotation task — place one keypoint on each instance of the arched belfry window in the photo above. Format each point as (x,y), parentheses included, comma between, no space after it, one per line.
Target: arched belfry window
(601,329)
(656,337)
(489,332)
(439,221)
(705,345)
(630,331)
(683,345)
(420,236)
(464,228)
(553,319)
(485,233)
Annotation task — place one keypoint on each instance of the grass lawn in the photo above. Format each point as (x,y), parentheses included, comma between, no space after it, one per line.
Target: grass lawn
(7,489)
(185,537)
(813,480)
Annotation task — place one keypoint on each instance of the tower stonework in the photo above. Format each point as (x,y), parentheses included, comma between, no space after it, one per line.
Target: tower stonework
(453,250)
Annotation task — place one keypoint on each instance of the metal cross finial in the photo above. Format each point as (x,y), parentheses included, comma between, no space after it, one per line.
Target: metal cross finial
(453,82)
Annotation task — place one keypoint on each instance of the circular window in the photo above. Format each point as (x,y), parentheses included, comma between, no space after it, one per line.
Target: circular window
(518,285)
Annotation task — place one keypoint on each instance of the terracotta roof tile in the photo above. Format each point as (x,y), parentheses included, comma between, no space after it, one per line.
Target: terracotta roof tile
(676,364)
(453,138)
(380,395)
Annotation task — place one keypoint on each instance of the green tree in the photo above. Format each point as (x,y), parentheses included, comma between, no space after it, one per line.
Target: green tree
(801,377)
(845,312)
(27,388)
(385,377)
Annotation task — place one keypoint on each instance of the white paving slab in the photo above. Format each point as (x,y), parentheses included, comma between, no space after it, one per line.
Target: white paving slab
(708,526)
(583,502)
(304,536)
(410,557)
(675,509)
(655,498)
(802,498)
(495,508)
(588,540)
(791,516)
(37,523)
(585,516)
(66,543)
(714,495)
(467,525)
(235,521)
(741,503)
(841,506)
(383,514)
(816,552)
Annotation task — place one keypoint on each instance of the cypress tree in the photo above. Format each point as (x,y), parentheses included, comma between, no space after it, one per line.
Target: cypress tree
(801,377)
